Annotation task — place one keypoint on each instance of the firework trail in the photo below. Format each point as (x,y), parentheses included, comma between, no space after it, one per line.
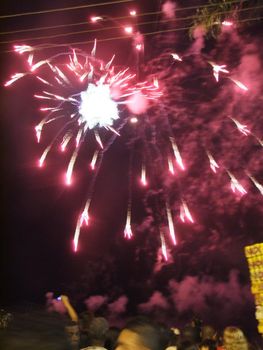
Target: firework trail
(197,130)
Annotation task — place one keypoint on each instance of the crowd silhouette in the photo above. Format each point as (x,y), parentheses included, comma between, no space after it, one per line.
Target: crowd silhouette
(59,327)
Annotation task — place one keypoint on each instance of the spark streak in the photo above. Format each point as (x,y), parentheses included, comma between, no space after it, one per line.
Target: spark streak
(235,184)
(14,78)
(164,248)
(71,166)
(143,175)
(176,57)
(256,183)
(177,154)
(213,164)
(128,231)
(217,68)
(185,213)
(170,224)
(44,155)
(94,159)
(241,127)
(171,166)
(239,84)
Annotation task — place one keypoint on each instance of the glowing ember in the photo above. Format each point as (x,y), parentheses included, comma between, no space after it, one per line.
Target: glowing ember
(128,30)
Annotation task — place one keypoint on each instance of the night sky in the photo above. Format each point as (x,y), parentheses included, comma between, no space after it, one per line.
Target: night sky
(39,213)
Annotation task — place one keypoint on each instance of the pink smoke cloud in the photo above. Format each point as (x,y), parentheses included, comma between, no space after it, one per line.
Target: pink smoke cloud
(157,300)
(94,302)
(199,39)
(205,295)
(137,103)
(119,305)
(250,69)
(168,9)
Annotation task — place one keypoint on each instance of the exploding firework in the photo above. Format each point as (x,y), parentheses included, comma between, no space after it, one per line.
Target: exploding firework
(197,130)
(90,96)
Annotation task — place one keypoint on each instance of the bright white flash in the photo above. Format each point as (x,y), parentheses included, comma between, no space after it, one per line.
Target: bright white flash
(96,106)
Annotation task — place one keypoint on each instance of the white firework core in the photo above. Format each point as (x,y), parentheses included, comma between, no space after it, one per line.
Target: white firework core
(97,107)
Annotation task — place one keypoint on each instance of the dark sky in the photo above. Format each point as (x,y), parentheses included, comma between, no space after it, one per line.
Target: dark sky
(39,213)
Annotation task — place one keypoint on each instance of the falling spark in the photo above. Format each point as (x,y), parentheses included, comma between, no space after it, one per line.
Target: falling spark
(176,57)
(37,65)
(94,159)
(235,185)
(98,139)
(128,30)
(44,81)
(38,130)
(171,166)
(239,84)
(256,183)
(93,51)
(185,213)
(227,23)
(133,13)
(128,231)
(213,164)
(44,155)
(170,224)
(78,137)
(76,236)
(113,130)
(156,83)
(143,176)
(23,48)
(71,166)
(65,141)
(241,127)
(84,217)
(53,109)
(164,248)
(259,140)
(85,214)
(177,154)
(30,59)
(134,120)
(62,75)
(14,78)
(217,69)
(95,19)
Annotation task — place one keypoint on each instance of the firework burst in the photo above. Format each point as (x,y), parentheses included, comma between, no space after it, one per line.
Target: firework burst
(191,130)
(89,95)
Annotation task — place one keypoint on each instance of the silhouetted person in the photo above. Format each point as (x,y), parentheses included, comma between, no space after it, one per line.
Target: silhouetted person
(97,332)
(234,339)
(142,333)
(111,338)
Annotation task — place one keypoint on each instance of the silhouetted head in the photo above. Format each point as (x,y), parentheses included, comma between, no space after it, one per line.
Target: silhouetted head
(97,331)
(234,339)
(208,332)
(142,333)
